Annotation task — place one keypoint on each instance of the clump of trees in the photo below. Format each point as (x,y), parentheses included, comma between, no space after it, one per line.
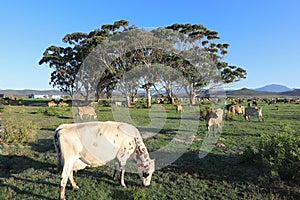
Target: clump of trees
(163,60)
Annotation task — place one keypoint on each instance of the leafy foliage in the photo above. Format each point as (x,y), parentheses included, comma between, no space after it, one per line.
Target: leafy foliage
(18,131)
(58,112)
(66,61)
(281,153)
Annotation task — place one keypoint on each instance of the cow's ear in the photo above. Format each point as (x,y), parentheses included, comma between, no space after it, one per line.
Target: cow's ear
(140,166)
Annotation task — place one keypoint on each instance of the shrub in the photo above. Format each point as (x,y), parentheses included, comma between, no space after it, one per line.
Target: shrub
(250,155)
(204,109)
(18,131)
(57,112)
(281,153)
(278,152)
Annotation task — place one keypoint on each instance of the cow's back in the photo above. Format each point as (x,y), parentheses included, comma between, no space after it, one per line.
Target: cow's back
(100,141)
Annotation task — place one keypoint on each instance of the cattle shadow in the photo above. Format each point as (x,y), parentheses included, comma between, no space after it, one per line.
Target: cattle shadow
(26,192)
(101,174)
(48,129)
(43,146)
(171,131)
(216,168)
(213,167)
(13,166)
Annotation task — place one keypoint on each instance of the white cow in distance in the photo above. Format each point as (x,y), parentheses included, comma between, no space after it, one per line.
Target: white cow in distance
(86,111)
(96,143)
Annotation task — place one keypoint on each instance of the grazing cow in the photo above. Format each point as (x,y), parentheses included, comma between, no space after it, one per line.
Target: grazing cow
(118,104)
(179,108)
(86,110)
(214,118)
(96,143)
(51,104)
(63,104)
(253,111)
(237,109)
(273,101)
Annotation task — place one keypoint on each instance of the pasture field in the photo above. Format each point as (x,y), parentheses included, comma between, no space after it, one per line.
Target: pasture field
(28,170)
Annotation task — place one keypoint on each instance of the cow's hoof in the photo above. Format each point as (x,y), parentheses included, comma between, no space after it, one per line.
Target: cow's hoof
(75,188)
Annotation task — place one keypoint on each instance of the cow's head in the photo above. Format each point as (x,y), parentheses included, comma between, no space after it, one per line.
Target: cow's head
(146,170)
(212,113)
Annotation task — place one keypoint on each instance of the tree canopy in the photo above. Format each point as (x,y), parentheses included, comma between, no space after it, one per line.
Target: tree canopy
(93,63)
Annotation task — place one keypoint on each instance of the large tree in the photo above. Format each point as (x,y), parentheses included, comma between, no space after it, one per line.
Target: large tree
(200,56)
(93,63)
(67,61)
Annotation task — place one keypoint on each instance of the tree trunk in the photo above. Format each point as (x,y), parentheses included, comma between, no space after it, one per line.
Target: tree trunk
(128,100)
(172,100)
(148,98)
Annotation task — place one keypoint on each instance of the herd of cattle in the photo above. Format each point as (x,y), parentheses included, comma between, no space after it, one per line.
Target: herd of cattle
(95,143)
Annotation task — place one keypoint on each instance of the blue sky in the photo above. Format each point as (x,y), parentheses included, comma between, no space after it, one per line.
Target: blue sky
(263,35)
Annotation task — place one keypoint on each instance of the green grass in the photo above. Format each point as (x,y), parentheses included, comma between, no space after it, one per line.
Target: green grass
(28,171)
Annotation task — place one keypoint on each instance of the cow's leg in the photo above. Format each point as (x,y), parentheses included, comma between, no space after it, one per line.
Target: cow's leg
(219,128)
(260,117)
(208,129)
(247,118)
(67,169)
(122,158)
(122,177)
(73,183)
(117,168)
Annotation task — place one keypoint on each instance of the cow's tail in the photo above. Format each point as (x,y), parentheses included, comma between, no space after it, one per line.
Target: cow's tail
(58,151)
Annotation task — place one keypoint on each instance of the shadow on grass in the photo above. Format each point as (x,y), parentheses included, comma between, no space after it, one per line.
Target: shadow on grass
(48,129)
(25,192)
(15,164)
(43,145)
(12,166)
(219,168)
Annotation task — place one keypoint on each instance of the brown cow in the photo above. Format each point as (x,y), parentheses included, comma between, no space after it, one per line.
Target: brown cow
(179,108)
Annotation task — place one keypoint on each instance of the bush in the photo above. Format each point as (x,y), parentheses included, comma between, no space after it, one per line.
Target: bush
(57,112)
(281,154)
(250,155)
(203,109)
(18,131)
(278,152)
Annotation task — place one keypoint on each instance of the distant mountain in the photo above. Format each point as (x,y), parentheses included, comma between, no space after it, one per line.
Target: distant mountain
(29,91)
(248,92)
(295,92)
(254,93)
(273,88)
